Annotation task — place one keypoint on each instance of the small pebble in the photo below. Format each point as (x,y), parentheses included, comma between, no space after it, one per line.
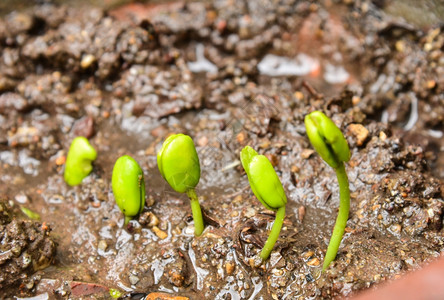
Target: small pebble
(255,261)
(203,141)
(396,228)
(298,95)
(301,213)
(265,144)
(84,127)
(133,279)
(149,219)
(278,272)
(241,137)
(359,132)
(306,153)
(30,285)
(229,267)
(189,230)
(431,84)
(308,254)
(102,245)
(237,199)
(26,260)
(249,212)
(21,198)
(60,160)
(400,46)
(314,262)
(87,61)
(160,233)
(16,250)
(96,204)
(150,201)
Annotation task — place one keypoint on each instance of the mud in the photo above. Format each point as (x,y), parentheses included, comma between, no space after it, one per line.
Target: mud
(229,74)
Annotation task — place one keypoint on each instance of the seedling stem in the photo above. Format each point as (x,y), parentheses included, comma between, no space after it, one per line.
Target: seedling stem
(274,233)
(341,220)
(197,212)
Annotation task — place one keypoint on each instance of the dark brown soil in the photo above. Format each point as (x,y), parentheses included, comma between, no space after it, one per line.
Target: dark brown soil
(229,74)
(25,248)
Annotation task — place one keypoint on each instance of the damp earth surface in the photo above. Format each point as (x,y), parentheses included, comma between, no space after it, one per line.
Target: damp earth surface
(229,74)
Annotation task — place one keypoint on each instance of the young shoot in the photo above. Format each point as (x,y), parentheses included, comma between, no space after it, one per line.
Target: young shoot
(78,162)
(179,165)
(128,187)
(329,142)
(30,214)
(268,189)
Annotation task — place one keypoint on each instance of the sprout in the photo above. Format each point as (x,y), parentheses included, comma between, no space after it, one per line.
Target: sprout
(331,145)
(78,162)
(179,165)
(327,139)
(29,213)
(268,189)
(116,294)
(128,186)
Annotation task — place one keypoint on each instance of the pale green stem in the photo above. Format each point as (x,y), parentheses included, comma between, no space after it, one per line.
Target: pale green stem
(274,233)
(341,220)
(127,219)
(197,212)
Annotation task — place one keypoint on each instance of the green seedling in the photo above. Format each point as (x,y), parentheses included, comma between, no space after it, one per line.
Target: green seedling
(179,165)
(30,214)
(329,142)
(128,187)
(115,294)
(268,189)
(78,162)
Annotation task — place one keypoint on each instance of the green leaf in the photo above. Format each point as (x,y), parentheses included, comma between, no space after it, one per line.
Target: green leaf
(327,139)
(263,179)
(78,162)
(128,186)
(30,214)
(178,163)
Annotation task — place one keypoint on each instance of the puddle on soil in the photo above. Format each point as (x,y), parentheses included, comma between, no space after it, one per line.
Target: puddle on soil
(158,267)
(201,64)
(301,65)
(335,74)
(413,118)
(200,273)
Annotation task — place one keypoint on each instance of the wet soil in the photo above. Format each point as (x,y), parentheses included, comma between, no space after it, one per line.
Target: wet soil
(229,74)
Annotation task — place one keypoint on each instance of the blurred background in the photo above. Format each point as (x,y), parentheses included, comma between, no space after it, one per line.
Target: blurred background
(421,13)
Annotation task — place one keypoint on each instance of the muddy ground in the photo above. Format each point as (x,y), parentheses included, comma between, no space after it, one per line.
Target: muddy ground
(229,74)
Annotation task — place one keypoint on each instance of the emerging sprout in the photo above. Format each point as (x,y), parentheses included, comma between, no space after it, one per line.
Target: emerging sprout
(78,162)
(29,213)
(268,189)
(179,165)
(327,139)
(128,186)
(331,145)
(116,294)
